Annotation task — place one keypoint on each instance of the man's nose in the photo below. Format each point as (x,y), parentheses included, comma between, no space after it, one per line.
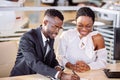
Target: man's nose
(57,31)
(55,34)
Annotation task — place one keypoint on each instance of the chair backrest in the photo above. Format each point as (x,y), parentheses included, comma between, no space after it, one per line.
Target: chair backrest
(8,52)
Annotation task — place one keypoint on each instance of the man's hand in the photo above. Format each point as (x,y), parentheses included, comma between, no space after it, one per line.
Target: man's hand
(58,68)
(66,76)
(75,77)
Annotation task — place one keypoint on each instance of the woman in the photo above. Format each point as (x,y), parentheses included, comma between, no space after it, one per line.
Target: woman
(82,49)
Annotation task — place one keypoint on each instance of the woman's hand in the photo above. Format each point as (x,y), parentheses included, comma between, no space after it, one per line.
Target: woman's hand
(81,66)
(70,66)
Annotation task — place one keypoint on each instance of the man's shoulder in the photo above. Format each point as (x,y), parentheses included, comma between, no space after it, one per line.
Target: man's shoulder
(30,32)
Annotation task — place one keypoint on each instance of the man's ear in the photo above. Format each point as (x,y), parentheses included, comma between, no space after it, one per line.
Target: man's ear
(45,22)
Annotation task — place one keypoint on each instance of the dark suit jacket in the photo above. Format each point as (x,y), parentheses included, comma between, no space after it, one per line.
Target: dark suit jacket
(30,58)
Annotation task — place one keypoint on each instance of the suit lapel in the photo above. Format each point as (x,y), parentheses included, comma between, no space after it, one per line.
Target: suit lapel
(40,39)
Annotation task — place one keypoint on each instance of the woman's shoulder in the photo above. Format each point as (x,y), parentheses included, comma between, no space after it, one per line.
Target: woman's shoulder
(96,34)
(98,40)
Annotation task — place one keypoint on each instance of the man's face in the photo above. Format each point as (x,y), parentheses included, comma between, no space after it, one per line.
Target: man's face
(53,27)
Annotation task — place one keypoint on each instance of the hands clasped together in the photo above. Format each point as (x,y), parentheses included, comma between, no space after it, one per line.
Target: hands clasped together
(80,66)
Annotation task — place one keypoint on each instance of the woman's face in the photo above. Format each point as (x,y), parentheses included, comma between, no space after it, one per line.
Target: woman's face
(84,25)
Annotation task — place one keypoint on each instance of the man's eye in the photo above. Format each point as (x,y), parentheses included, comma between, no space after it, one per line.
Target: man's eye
(80,26)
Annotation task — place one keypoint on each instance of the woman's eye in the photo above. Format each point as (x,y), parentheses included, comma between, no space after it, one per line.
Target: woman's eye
(88,26)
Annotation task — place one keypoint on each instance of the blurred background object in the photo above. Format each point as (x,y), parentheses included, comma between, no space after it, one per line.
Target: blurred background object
(51,2)
(12,3)
(10,21)
(96,3)
(7,22)
(112,4)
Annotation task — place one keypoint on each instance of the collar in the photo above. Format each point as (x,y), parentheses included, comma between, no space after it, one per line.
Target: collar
(44,38)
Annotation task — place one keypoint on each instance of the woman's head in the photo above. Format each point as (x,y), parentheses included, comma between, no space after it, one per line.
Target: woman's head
(85,18)
(52,22)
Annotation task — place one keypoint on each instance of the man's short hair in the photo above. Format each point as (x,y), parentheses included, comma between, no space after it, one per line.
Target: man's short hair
(54,13)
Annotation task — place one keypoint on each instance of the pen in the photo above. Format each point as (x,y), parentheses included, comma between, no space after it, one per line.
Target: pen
(74,72)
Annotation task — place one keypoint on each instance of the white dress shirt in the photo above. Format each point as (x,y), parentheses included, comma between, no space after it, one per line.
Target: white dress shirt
(71,49)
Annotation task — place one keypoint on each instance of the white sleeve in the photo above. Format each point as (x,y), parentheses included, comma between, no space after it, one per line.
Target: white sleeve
(62,50)
(101,60)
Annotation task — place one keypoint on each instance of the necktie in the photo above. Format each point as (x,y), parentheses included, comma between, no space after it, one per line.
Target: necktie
(46,52)
(46,44)
(45,49)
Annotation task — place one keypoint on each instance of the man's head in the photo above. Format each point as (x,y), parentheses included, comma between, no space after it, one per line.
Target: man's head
(52,23)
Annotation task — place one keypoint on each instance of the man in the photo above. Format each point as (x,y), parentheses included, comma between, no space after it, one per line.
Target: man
(33,58)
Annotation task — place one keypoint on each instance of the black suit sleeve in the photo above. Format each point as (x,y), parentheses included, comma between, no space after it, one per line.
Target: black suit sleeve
(54,61)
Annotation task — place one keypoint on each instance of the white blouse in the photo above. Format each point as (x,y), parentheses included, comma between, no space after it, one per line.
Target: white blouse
(72,49)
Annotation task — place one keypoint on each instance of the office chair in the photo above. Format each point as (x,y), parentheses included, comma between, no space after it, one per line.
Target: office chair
(8,52)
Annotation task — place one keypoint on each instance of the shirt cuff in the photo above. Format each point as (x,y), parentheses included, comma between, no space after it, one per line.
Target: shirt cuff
(62,68)
(56,75)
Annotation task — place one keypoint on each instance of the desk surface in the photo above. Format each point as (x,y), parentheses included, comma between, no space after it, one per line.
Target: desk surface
(27,77)
(89,75)
(99,74)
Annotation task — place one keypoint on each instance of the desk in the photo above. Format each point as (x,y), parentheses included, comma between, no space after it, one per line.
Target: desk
(98,74)
(27,77)
(89,75)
